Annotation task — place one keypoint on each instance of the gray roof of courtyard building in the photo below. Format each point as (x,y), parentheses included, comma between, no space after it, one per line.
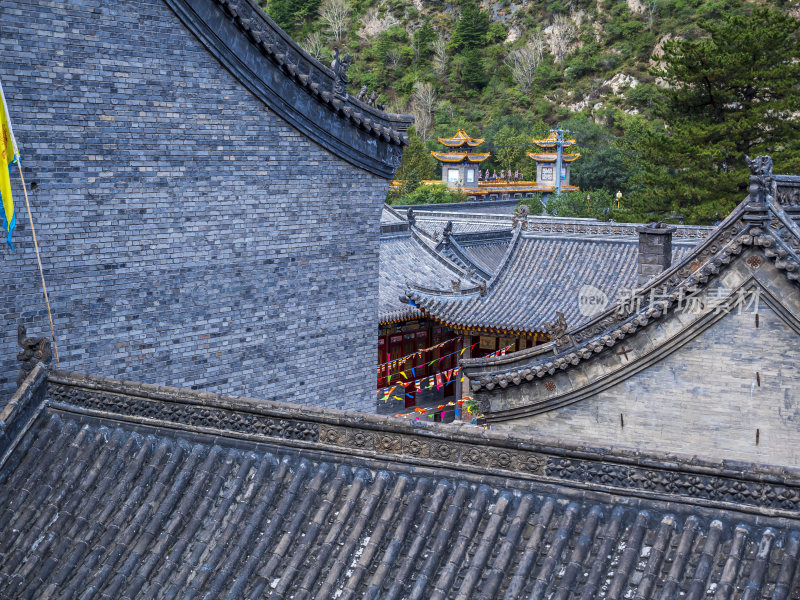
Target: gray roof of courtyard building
(405,255)
(120,490)
(530,275)
(391,215)
(538,275)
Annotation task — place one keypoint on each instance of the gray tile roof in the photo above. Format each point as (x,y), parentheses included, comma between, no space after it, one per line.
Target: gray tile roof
(538,276)
(488,255)
(390,215)
(474,223)
(486,207)
(119,490)
(406,257)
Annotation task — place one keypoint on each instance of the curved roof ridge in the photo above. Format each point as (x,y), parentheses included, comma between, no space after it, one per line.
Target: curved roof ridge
(437,255)
(598,383)
(502,269)
(394,212)
(455,247)
(612,310)
(308,95)
(423,233)
(477,289)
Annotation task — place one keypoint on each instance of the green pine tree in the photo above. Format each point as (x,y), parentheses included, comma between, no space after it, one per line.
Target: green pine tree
(473,74)
(733,92)
(471,28)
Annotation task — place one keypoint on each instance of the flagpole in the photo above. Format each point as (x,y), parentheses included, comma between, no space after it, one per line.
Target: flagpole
(39,260)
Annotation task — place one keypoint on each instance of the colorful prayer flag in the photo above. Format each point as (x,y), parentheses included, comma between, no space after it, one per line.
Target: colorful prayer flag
(9,155)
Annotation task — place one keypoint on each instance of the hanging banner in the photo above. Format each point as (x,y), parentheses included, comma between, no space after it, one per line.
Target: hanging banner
(397,361)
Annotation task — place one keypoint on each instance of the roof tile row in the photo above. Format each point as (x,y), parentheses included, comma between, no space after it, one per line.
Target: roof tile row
(100,510)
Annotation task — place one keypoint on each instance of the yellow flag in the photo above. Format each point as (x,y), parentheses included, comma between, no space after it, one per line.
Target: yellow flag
(8,156)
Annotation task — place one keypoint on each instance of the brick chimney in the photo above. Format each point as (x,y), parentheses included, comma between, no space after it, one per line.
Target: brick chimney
(655,250)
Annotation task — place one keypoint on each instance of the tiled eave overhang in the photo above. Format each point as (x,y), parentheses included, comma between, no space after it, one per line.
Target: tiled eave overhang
(467,327)
(744,487)
(293,84)
(457,157)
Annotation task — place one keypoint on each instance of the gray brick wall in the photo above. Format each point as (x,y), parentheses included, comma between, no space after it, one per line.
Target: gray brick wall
(704,399)
(189,236)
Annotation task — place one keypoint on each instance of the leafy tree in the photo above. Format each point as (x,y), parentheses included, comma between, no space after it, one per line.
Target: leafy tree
(472,73)
(497,33)
(602,170)
(598,204)
(733,92)
(602,166)
(417,164)
(431,194)
(291,14)
(423,40)
(510,150)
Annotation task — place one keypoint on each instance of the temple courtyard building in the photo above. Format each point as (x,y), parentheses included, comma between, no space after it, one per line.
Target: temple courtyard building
(209,204)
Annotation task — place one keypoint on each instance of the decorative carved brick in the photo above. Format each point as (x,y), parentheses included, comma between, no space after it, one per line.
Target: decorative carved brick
(332,435)
(360,439)
(392,444)
(415,447)
(442,451)
(585,472)
(473,455)
(709,487)
(185,414)
(754,261)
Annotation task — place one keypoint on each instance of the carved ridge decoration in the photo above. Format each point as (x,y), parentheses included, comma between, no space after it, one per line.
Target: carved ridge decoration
(615,229)
(702,487)
(411,446)
(789,198)
(706,487)
(184,414)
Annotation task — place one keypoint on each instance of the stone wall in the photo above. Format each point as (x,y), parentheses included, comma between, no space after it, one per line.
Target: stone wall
(189,236)
(708,398)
